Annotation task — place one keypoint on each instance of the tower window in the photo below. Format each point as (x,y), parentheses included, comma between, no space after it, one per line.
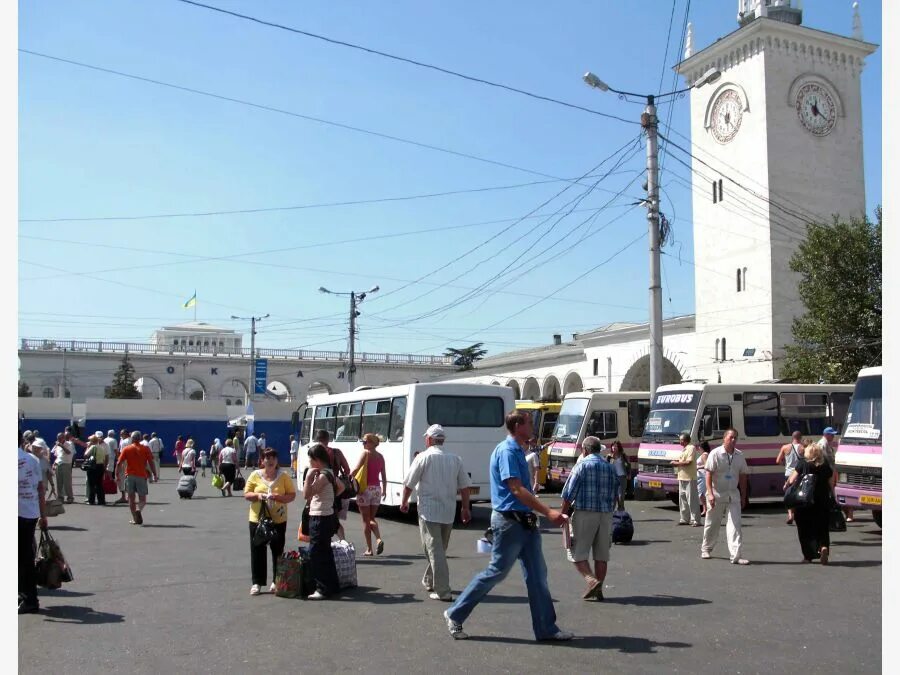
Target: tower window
(715,193)
(596,367)
(716,357)
(723,349)
(738,279)
(720,189)
(744,287)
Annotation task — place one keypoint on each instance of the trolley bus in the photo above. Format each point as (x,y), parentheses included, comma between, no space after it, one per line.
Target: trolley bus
(764,415)
(473,416)
(858,459)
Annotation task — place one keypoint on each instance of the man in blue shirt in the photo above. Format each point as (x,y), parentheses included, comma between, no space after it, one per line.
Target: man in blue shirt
(592,488)
(516,537)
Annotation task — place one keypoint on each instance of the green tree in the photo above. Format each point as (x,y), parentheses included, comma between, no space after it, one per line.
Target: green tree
(466,357)
(840,285)
(24,390)
(123,381)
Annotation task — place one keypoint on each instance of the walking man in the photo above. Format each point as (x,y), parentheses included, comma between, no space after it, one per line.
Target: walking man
(124,440)
(438,476)
(156,448)
(134,460)
(31,512)
(295,450)
(516,537)
(726,491)
(251,446)
(790,455)
(64,453)
(688,499)
(593,488)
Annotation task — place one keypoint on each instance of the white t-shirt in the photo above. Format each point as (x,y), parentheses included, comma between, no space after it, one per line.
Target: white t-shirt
(203,458)
(725,470)
(156,446)
(295,448)
(228,456)
(113,445)
(62,457)
(29,478)
(534,463)
(250,445)
(261,442)
(188,456)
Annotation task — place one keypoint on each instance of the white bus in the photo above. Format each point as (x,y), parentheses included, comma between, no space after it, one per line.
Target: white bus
(610,416)
(764,416)
(859,456)
(473,416)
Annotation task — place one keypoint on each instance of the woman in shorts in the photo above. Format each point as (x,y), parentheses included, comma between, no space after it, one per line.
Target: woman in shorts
(228,466)
(369,501)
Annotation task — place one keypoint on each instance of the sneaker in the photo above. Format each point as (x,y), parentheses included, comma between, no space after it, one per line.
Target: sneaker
(28,607)
(561,636)
(740,561)
(272,587)
(316,596)
(824,554)
(254,589)
(138,518)
(682,522)
(456,629)
(379,547)
(695,524)
(705,555)
(442,598)
(427,587)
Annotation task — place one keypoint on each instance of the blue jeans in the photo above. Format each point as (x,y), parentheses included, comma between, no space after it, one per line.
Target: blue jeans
(513,542)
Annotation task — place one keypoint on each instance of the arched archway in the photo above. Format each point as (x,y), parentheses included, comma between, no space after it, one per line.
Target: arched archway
(494,382)
(550,388)
(194,390)
(280,390)
(572,383)
(150,387)
(531,390)
(235,391)
(514,385)
(319,387)
(638,376)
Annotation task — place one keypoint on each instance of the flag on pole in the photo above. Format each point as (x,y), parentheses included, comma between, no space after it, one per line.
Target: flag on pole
(192,302)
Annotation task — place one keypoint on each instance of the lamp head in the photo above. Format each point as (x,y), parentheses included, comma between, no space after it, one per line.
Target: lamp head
(373,289)
(322,289)
(593,81)
(709,77)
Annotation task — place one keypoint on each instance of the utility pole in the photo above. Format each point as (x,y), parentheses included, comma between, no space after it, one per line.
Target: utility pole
(62,385)
(252,380)
(649,123)
(355,299)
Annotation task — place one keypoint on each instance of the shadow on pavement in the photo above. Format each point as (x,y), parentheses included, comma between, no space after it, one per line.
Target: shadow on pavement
(854,563)
(168,525)
(62,593)
(870,542)
(371,594)
(82,615)
(387,562)
(622,643)
(67,528)
(655,601)
(644,542)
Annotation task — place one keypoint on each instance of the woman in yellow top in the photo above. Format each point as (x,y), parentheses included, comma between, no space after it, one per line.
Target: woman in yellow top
(276,490)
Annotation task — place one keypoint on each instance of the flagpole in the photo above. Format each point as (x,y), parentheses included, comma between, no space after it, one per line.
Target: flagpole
(195,306)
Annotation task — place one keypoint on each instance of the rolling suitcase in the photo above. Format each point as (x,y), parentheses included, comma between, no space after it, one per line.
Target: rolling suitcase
(622,527)
(186,487)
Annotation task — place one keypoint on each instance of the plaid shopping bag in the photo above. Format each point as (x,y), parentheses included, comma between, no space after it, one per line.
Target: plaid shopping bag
(345,562)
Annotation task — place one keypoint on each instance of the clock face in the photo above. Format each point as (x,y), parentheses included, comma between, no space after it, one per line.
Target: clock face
(727,112)
(816,109)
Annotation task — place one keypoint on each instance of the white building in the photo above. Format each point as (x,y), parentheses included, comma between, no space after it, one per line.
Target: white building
(776,142)
(197,336)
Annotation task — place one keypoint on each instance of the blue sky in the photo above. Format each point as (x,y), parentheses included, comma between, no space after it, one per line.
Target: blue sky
(93,144)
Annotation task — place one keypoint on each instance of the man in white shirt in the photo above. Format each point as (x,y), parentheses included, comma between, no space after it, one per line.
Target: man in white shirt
(726,490)
(295,450)
(64,453)
(113,446)
(261,442)
(31,512)
(438,476)
(251,446)
(156,448)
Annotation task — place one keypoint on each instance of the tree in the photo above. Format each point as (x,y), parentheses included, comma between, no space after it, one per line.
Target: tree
(123,381)
(466,357)
(24,390)
(840,286)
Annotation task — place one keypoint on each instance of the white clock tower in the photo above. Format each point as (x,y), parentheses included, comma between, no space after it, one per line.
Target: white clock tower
(776,143)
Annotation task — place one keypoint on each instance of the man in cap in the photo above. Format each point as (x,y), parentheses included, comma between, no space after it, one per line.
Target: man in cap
(829,447)
(438,476)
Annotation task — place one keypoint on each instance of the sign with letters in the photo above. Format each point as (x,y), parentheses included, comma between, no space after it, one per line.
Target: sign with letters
(260,374)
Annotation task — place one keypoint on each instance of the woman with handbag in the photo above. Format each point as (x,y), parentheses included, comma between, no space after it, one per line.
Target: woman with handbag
(188,464)
(228,460)
(269,492)
(320,490)
(811,515)
(368,470)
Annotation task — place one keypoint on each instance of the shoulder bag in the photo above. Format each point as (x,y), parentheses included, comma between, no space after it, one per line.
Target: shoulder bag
(800,494)
(265,528)
(239,481)
(836,520)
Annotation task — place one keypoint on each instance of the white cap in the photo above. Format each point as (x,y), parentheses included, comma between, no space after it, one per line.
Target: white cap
(435,431)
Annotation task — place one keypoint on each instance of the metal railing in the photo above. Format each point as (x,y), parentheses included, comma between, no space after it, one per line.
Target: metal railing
(142,348)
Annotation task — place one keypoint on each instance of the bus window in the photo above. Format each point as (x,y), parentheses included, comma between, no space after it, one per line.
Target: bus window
(465,411)
(761,414)
(804,412)
(398,418)
(571,416)
(548,426)
(306,429)
(638,410)
(348,422)
(602,424)
(376,417)
(325,419)
(840,404)
(716,419)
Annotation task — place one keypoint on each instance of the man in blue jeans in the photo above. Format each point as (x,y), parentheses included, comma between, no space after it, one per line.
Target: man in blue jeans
(516,537)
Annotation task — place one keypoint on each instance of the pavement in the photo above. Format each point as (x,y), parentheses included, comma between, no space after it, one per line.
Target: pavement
(173,596)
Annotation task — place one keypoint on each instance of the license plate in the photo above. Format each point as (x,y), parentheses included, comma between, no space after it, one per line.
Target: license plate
(474,490)
(655,484)
(874,501)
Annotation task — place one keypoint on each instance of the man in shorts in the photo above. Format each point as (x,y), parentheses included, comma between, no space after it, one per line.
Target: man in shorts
(592,488)
(134,460)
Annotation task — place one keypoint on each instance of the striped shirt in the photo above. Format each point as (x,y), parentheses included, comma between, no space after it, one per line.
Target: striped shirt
(592,485)
(438,476)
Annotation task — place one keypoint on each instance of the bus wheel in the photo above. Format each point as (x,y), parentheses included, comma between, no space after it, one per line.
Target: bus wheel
(876,516)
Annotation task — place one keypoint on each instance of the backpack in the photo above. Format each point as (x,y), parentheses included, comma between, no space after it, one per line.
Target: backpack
(622,527)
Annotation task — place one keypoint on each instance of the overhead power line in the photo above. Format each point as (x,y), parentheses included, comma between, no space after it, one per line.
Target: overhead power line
(403,59)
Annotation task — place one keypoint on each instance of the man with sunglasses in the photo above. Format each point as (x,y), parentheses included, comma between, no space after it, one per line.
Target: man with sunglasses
(726,491)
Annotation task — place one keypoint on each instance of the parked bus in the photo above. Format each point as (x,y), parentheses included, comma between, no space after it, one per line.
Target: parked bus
(473,415)
(609,416)
(858,459)
(764,416)
(543,415)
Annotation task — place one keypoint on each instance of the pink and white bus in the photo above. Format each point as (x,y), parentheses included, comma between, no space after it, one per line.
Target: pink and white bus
(764,415)
(858,459)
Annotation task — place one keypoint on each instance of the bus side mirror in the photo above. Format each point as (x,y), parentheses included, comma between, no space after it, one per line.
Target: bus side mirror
(707,425)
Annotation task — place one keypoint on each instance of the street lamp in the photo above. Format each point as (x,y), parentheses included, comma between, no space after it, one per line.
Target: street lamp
(649,122)
(252,319)
(355,299)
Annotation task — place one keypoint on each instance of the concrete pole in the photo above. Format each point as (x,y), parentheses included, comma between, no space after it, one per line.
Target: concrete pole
(649,123)
(351,371)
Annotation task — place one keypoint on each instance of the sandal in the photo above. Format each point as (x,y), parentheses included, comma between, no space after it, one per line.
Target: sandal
(379,547)
(368,554)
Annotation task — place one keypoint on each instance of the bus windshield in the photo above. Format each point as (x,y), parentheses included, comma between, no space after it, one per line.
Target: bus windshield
(673,413)
(864,418)
(571,416)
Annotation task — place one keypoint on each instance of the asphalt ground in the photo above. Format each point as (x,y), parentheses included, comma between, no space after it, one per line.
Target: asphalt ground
(173,596)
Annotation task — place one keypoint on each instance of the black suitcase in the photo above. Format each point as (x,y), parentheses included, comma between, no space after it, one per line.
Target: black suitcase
(622,527)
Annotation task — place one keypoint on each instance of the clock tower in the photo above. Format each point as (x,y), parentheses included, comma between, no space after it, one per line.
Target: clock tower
(776,143)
